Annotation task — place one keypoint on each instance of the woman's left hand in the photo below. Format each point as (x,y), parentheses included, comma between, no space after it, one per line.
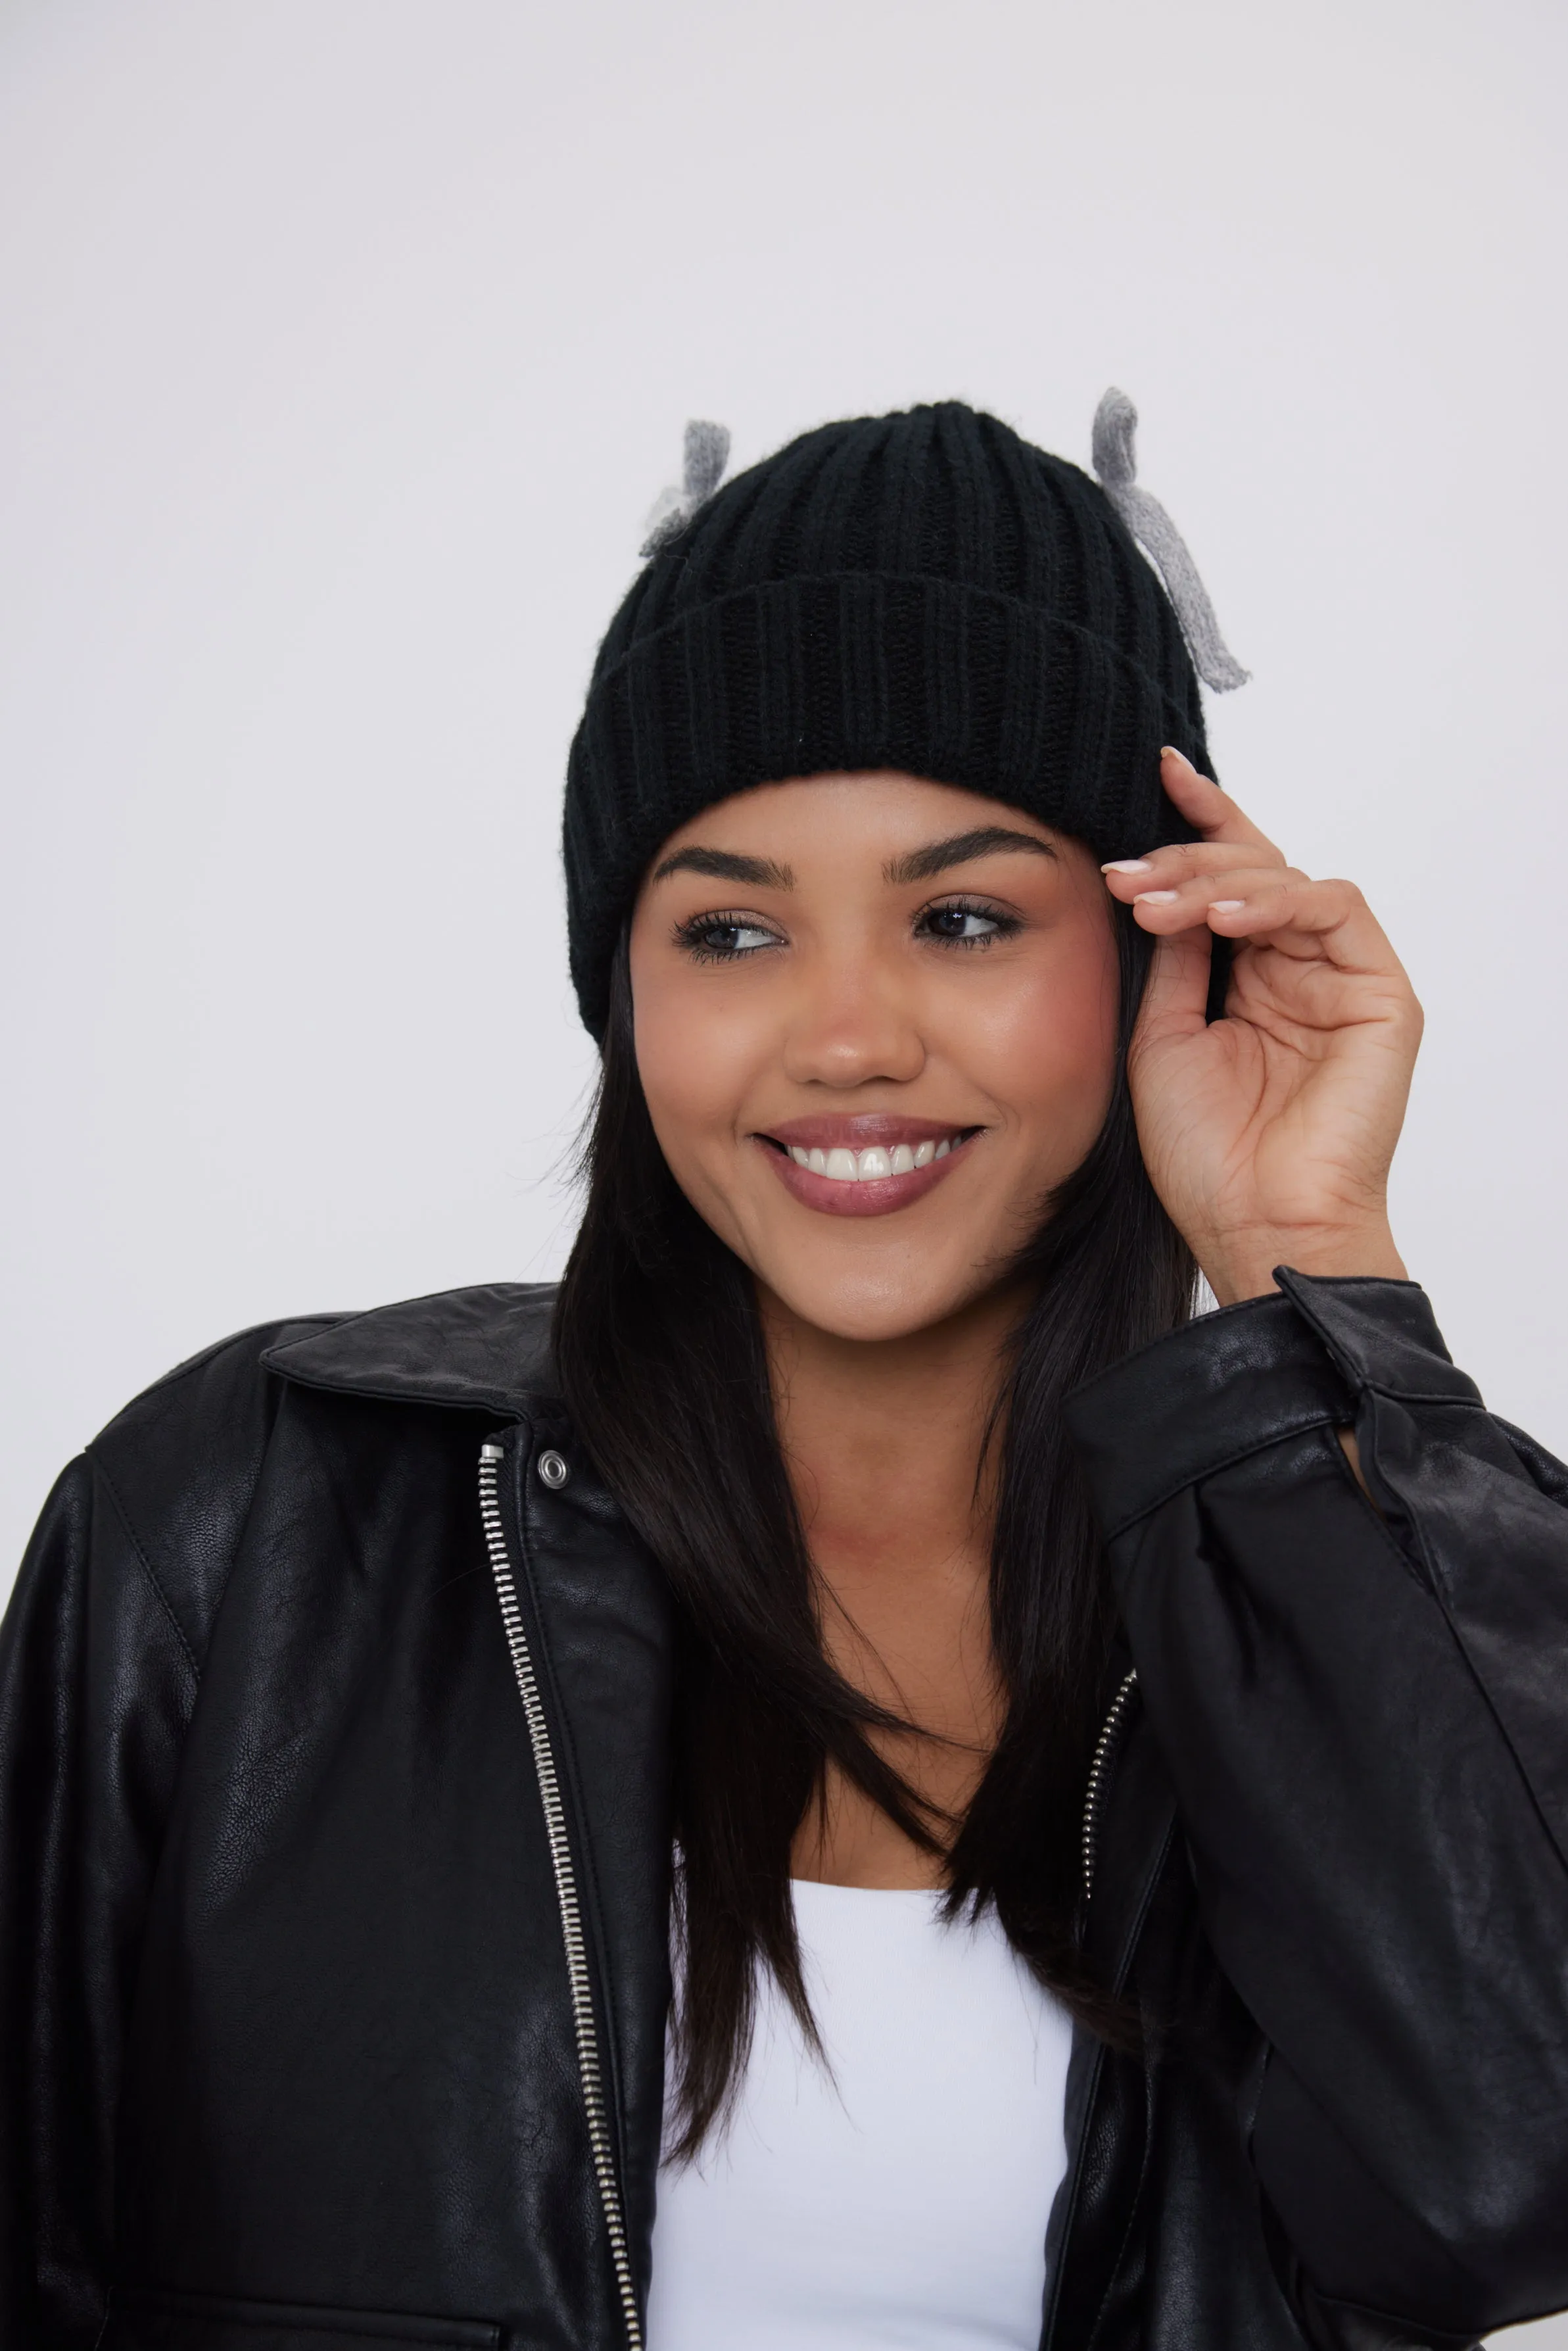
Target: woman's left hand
(1267,1135)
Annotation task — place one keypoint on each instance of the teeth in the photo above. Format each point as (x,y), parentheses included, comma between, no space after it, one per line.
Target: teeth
(873,1165)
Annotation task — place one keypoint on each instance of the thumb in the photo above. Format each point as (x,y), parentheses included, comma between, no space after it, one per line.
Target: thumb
(1176,996)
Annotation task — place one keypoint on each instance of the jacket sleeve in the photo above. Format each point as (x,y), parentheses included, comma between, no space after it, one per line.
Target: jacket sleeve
(1364,1712)
(96,1685)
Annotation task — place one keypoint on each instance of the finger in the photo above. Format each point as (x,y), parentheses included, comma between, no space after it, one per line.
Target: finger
(1326,921)
(1200,801)
(1179,861)
(1189,901)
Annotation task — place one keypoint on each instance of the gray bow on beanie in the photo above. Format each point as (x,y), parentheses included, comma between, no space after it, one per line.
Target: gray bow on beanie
(1116,421)
(707,454)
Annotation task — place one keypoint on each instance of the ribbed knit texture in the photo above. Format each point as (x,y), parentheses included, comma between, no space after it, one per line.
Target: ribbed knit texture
(925,591)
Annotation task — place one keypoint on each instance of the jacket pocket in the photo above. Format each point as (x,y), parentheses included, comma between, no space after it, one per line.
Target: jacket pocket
(149,2319)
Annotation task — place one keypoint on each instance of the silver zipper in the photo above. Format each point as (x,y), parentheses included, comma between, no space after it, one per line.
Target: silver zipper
(490,1460)
(1099,1774)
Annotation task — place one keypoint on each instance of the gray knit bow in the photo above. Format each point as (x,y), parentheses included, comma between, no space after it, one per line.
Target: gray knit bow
(707,454)
(1116,421)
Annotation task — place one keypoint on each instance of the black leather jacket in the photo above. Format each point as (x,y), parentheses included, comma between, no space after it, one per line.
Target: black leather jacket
(335,1894)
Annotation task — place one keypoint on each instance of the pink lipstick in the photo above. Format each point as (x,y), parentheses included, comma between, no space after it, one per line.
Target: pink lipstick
(864,1165)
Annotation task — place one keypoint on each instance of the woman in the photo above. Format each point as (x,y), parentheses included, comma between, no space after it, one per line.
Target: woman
(1106,1765)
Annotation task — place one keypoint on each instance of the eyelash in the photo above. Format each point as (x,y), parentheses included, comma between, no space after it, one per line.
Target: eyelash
(1003,925)
(696,935)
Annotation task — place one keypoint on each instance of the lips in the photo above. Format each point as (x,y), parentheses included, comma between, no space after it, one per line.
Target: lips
(865,1166)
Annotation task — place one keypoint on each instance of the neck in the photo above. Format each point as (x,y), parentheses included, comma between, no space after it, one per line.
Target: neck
(884,1437)
(884,1442)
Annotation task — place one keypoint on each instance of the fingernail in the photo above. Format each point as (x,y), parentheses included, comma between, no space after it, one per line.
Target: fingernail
(1226,906)
(1127,865)
(1155,898)
(1170,751)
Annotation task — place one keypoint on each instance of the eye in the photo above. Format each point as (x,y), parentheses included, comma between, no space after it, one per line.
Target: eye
(723,938)
(963,922)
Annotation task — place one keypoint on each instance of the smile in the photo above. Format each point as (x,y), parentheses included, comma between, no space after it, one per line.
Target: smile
(865,1166)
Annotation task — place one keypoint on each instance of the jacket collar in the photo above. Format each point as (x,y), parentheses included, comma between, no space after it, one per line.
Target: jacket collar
(483,1350)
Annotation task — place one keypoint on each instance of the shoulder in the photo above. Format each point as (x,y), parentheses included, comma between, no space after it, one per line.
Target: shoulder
(207,1410)
(179,1465)
(172,1475)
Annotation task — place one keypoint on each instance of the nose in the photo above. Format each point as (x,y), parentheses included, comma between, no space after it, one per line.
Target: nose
(853,1023)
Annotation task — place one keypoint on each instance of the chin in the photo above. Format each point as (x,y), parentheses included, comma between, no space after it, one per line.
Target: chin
(858,1304)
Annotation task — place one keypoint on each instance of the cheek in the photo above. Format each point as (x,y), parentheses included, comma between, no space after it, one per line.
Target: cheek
(1045,1045)
(694,1061)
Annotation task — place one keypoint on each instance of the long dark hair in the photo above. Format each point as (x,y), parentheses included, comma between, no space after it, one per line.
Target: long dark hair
(661,1358)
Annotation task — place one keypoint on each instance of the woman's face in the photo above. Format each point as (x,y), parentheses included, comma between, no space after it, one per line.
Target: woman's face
(875,1024)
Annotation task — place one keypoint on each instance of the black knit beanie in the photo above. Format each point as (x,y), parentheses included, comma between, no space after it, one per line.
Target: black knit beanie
(924,592)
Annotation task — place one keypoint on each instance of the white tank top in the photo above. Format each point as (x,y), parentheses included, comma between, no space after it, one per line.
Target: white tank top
(904,2202)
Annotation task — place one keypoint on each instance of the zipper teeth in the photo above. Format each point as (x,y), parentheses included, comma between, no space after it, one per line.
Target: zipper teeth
(566,1886)
(1099,1771)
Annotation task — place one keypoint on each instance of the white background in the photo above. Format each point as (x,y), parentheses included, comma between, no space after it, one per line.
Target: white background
(347,342)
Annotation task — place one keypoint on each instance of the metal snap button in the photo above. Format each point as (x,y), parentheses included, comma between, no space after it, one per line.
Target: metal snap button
(553,1469)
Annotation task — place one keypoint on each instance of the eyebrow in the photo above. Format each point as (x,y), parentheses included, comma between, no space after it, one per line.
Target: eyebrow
(916,865)
(985,841)
(724,865)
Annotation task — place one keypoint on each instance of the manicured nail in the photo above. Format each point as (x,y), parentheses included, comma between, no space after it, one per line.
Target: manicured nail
(1226,906)
(1170,751)
(1155,898)
(1127,865)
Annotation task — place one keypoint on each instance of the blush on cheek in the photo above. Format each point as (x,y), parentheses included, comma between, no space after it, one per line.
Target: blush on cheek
(1046,1046)
(676,1077)
(693,1067)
